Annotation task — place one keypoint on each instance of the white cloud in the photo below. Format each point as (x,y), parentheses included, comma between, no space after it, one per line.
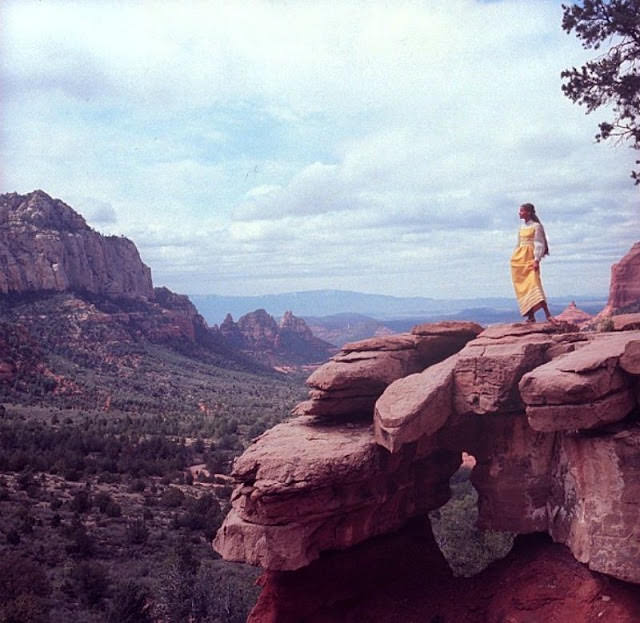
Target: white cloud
(96,212)
(258,145)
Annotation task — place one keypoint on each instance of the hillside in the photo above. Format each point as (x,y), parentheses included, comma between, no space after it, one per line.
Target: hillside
(121,411)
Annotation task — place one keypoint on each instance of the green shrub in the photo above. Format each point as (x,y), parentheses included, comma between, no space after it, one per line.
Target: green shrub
(137,532)
(91,581)
(172,498)
(130,604)
(606,324)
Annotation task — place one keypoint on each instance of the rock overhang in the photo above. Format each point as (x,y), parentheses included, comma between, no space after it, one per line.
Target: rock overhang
(483,399)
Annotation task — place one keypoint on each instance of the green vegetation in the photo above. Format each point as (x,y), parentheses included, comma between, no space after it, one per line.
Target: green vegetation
(115,470)
(611,80)
(95,506)
(468,549)
(117,432)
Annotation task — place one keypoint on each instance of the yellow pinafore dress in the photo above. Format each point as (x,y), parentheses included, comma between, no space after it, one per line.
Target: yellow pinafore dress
(526,280)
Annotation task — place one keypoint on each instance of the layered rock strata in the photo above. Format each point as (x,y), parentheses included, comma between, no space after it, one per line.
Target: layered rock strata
(351,382)
(595,504)
(308,488)
(525,400)
(585,389)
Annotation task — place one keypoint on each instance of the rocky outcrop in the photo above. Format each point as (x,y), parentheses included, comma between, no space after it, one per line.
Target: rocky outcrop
(525,400)
(354,379)
(289,343)
(39,331)
(585,389)
(308,488)
(403,577)
(574,315)
(595,504)
(626,322)
(46,246)
(259,329)
(296,325)
(181,319)
(488,369)
(624,287)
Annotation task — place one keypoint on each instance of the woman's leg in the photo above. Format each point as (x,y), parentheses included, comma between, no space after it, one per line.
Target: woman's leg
(531,314)
(547,313)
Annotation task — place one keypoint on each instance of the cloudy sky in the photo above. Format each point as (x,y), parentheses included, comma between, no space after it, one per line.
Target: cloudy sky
(253,147)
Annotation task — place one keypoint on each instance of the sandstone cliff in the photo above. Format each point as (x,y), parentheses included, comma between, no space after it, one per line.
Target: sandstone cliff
(289,343)
(624,288)
(46,245)
(550,414)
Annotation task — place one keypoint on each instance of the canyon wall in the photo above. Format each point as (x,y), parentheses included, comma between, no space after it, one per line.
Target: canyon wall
(46,245)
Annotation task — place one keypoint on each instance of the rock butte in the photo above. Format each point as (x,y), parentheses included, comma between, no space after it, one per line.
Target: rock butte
(548,412)
(624,288)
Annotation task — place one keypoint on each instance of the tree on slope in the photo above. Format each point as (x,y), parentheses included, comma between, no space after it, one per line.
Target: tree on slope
(613,78)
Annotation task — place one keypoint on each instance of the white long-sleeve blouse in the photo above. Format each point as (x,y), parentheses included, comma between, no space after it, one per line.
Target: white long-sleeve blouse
(539,239)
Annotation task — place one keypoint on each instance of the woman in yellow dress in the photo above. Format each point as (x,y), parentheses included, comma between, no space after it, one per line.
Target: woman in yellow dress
(525,265)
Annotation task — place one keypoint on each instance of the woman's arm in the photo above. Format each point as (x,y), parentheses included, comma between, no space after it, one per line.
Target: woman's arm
(539,243)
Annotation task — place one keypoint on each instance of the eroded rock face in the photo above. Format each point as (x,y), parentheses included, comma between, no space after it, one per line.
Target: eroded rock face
(308,487)
(584,389)
(481,379)
(45,245)
(415,406)
(352,381)
(596,502)
(259,335)
(524,400)
(488,369)
(626,322)
(402,577)
(624,288)
(512,473)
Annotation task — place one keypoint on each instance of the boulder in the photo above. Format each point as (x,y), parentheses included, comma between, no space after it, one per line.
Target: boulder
(626,322)
(585,388)
(415,406)
(488,368)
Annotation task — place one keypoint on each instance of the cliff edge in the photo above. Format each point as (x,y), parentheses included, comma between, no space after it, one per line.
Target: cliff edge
(549,413)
